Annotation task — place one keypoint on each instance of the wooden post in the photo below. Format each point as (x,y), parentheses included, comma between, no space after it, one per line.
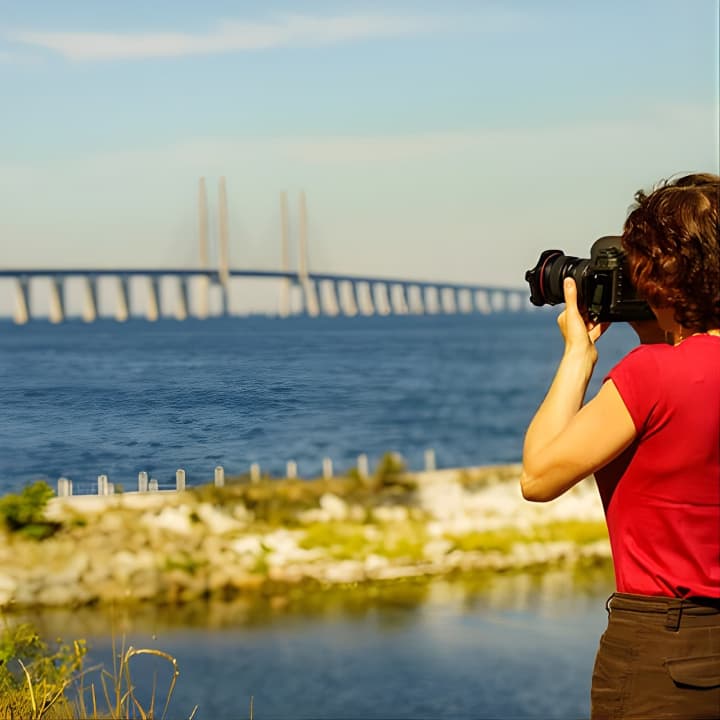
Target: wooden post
(180,480)
(291,469)
(219,476)
(362,466)
(255,473)
(153,485)
(142,482)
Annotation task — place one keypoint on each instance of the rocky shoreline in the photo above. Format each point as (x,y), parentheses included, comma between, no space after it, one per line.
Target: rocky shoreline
(249,537)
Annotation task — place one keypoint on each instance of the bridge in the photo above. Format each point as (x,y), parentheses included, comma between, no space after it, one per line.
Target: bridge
(300,291)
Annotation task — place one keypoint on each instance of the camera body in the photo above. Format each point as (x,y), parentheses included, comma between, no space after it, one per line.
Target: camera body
(605,292)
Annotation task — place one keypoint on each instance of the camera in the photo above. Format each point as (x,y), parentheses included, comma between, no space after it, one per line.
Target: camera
(605,292)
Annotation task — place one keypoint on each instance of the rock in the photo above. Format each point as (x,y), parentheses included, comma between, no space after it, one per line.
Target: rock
(390,513)
(8,586)
(335,507)
(175,520)
(247,545)
(216,520)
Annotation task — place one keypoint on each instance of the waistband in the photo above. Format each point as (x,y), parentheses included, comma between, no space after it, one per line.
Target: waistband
(672,608)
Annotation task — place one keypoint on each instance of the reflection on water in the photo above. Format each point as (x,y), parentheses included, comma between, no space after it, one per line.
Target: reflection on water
(512,646)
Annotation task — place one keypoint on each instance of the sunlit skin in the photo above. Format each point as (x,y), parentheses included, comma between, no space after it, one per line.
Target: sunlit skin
(557,452)
(567,441)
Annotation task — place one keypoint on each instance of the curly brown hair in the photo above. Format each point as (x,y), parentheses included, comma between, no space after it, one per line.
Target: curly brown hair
(673,249)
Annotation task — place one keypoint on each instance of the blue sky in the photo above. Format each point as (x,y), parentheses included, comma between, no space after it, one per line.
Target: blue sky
(444,140)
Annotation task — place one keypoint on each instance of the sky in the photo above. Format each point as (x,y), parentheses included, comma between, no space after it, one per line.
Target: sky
(448,140)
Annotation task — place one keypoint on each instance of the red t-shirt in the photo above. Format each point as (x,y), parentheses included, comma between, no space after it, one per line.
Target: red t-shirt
(662,495)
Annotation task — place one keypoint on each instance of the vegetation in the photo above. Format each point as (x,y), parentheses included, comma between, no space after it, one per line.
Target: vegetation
(40,682)
(25,513)
(502,540)
(34,677)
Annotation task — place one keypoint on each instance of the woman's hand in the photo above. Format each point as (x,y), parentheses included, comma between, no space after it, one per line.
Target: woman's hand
(579,334)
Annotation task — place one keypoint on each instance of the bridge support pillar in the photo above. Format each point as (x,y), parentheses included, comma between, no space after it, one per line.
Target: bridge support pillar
(22,300)
(415,300)
(482,302)
(181,309)
(153,303)
(462,300)
(382,301)
(364,298)
(398,299)
(328,297)
(90,302)
(122,309)
(310,300)
(447,300)
(432,300)
(57,300)
(499,300)
(346,296)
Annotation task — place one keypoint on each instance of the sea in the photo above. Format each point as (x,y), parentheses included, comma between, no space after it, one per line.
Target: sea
(79,400)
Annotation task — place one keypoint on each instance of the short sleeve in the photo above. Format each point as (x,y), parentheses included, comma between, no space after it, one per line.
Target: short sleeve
(636,378)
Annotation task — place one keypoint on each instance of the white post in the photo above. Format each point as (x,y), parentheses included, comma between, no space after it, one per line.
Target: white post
(291,469)
(255,473)
(219,476)
(142,482)
(102,485)
(64,487)
(362,466)
(153,485)
(327,466)
(430,460)
(179,479)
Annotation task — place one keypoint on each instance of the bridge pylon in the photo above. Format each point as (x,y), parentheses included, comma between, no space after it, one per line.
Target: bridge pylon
(223,245)
(312,306)
(203,282)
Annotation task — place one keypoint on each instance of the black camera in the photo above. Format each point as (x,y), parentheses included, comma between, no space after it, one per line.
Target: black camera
(605,292)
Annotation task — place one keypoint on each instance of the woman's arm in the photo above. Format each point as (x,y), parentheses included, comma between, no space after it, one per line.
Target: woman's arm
(565,441)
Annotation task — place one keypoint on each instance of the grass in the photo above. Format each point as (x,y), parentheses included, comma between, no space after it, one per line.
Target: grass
(352,541)
(503,540)
(40,681)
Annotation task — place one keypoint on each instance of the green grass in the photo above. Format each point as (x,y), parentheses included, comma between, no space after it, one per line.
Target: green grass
(502,540)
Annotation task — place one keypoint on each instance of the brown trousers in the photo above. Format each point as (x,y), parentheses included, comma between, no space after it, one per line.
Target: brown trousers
(659,658)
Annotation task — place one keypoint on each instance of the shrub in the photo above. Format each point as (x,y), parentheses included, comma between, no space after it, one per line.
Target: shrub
(25,513)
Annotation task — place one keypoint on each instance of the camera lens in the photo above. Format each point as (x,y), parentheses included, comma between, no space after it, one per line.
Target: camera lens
(546,278)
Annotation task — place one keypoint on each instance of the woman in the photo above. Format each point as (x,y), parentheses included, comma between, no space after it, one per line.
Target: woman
(651,436)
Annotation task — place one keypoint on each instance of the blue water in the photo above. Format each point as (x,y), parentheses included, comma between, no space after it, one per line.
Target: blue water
(82,400)
(79,400)
(517,647)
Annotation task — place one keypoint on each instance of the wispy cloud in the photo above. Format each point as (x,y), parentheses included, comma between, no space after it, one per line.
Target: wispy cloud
(235,36)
